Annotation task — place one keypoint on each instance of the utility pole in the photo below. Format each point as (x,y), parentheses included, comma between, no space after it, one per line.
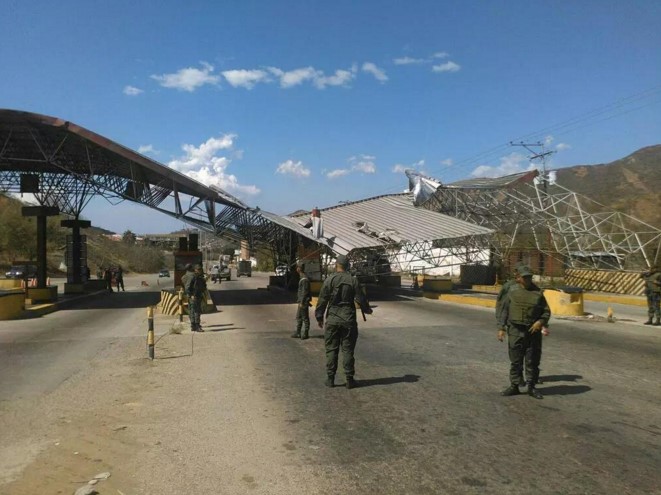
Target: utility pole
(537,156)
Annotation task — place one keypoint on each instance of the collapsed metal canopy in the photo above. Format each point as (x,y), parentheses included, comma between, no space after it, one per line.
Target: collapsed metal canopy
(531,209)
(391,225)
(73,164)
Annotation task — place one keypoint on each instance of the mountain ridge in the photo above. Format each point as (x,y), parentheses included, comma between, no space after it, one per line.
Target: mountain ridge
(630,185)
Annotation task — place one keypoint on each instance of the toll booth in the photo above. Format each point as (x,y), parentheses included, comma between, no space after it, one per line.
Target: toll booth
(188,253)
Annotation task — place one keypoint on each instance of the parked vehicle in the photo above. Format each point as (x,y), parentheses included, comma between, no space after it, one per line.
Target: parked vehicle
(220,272)
(225,272)
(22,271)
(164,273)
(244,267)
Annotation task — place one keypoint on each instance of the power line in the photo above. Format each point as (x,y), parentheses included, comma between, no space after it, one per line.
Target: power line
(567,126)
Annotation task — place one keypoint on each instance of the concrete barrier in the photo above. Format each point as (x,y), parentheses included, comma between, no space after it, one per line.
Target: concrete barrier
(564,303)
(10,283)
(34,295)
(12,304)
(437,285)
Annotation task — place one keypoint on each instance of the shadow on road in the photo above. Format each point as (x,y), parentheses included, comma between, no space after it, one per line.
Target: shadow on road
(389,380)
(235,297)
(225,327)
(561,378)
(115,300)
(565,389)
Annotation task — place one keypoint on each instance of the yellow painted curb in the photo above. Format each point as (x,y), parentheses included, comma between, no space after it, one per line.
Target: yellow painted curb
(631,301)
(470,300)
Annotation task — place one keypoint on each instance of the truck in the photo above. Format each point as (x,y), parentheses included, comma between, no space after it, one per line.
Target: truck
(244,267)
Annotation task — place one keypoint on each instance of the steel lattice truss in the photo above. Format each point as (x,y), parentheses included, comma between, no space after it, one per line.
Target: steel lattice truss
(74,164)
(444,253)
(528,212)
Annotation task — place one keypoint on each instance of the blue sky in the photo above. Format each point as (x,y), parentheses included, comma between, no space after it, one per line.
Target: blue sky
(292,104)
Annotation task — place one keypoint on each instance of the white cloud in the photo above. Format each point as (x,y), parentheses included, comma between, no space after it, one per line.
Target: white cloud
(188,79)
(338,172)
(562,146)
(340,78)
(296,77)
(409,61)
(291,167)
(509,164)
(132,91)
(203,164)
(448,66)
(417,61)
(448,162)
(147,149)
(245,78)
(548,140)
(377,72)
(289,79)
(363,163)
(400,168)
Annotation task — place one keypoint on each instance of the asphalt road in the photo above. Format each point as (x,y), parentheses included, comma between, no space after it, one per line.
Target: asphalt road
(427,417)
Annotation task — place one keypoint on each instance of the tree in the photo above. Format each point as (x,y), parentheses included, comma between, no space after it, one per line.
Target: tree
(129,237)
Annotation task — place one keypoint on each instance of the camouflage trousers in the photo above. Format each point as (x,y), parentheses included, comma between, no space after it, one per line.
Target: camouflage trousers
(194,310)
(303,319)
(524,347)
(654,305)
(338,337)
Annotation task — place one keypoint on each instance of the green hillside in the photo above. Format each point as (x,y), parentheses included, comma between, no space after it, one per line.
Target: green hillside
(18,241)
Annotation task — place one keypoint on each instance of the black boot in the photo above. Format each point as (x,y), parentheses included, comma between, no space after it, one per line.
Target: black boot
(330,381)
(533,392)
(648,322)
(511,390)
(295,335)
(305,336)
(657,322)
(351,383)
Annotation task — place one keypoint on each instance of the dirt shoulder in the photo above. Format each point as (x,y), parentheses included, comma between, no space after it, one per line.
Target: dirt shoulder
(195,418)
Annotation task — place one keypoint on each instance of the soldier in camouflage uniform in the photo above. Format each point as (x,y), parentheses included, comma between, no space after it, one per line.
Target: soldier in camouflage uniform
(338,295)
(303,304)
(195,286)
(523,314)
(500,300)
(653,292)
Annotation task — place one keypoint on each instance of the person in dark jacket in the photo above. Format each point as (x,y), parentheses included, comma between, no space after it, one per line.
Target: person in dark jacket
(653,292)
(337,303)
(119,278)
(195,286)
(303,299)
(500,300)
(107,276)
(523,314)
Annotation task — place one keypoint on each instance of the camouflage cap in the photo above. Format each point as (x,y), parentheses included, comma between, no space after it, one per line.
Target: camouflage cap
(342,260)
(188,266)
(524,271)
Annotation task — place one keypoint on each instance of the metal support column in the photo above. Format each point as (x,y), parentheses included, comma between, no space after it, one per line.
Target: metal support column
(42,213)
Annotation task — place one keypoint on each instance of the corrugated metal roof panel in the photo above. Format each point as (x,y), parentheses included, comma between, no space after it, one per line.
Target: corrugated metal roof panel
(381,220)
